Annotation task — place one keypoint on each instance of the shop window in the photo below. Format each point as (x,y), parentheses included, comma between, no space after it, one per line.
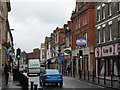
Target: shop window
(86,63)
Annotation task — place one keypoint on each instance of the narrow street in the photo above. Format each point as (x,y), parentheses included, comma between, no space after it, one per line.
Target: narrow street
(75,84)
(68,83)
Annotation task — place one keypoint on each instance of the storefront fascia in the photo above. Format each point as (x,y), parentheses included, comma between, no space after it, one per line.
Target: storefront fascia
(108,59)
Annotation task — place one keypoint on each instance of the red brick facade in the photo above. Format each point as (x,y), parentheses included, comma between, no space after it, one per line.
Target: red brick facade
(83,21)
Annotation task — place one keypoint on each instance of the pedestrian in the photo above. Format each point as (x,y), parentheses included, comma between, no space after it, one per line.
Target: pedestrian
(7,73)
(68,70)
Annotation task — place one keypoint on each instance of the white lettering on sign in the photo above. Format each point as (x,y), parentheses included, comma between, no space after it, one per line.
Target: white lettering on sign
(109,50)
(98,52)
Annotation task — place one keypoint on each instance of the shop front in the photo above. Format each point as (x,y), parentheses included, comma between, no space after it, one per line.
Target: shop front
(108,60)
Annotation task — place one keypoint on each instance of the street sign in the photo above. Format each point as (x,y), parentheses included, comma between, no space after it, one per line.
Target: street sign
(7,53)
(62,59)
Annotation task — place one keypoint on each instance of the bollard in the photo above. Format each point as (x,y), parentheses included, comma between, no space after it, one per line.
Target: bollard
(111,80)
(104,79)
(93,75)
(84,74)
(35,86)
(80,73)
(32,85)
(88,75)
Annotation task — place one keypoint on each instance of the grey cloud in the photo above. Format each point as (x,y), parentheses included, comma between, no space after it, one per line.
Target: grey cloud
(51,12)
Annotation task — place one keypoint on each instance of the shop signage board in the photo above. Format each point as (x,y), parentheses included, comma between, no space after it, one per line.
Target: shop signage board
(109,50)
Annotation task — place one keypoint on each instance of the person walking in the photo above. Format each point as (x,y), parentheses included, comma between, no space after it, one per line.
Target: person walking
(68,70)
(7,73)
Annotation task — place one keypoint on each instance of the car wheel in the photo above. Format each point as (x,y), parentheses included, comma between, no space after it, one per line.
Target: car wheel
(56,84)
(61,84)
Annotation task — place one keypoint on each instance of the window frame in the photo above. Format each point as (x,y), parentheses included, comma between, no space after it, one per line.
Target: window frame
(110,32)
(98,15)
(109,9)
(99,34)
(119,6)
(103,12)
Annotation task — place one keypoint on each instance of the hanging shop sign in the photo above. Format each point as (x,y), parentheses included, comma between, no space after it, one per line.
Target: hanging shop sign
(109,50)
(1,41)
(67,51)
(80,41)
(7,53)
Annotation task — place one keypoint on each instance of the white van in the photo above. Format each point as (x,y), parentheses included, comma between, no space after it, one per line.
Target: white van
(33,67)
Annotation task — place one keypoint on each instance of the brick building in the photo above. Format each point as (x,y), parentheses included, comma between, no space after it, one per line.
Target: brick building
(34,55)
(83,28)
(4,29)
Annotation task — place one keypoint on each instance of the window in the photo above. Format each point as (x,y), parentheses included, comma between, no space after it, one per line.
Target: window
(109,9)
(78,22)
(104,34)
(119,6)
(118,29)
(98,15)
(103,12)
(110,32)
(85,36)
(84,19)
(99,36)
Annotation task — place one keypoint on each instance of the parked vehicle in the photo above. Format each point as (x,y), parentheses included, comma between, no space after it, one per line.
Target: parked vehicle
(33,67)
(51,76)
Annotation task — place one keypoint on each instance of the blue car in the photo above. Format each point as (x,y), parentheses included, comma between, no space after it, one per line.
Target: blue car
(51,76)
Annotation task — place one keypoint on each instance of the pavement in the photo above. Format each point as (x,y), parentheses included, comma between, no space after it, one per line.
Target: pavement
(0,80)
(11,84)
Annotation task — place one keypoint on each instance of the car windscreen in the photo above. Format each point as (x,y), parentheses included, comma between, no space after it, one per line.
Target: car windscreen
(52,72)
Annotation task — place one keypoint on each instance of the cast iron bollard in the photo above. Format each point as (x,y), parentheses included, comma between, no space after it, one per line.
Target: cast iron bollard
(93,75)
(111,80)
(88,75)
(32,85)
(104,79)
(84,74)
(35,86)
(80,74)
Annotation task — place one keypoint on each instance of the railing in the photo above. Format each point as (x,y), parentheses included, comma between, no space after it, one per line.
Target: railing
(103,80)
(23,80)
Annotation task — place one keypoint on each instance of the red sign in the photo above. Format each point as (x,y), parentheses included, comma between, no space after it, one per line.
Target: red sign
(67,57)
(1,41)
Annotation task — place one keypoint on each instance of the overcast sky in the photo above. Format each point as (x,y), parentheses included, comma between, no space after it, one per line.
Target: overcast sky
(33,20)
